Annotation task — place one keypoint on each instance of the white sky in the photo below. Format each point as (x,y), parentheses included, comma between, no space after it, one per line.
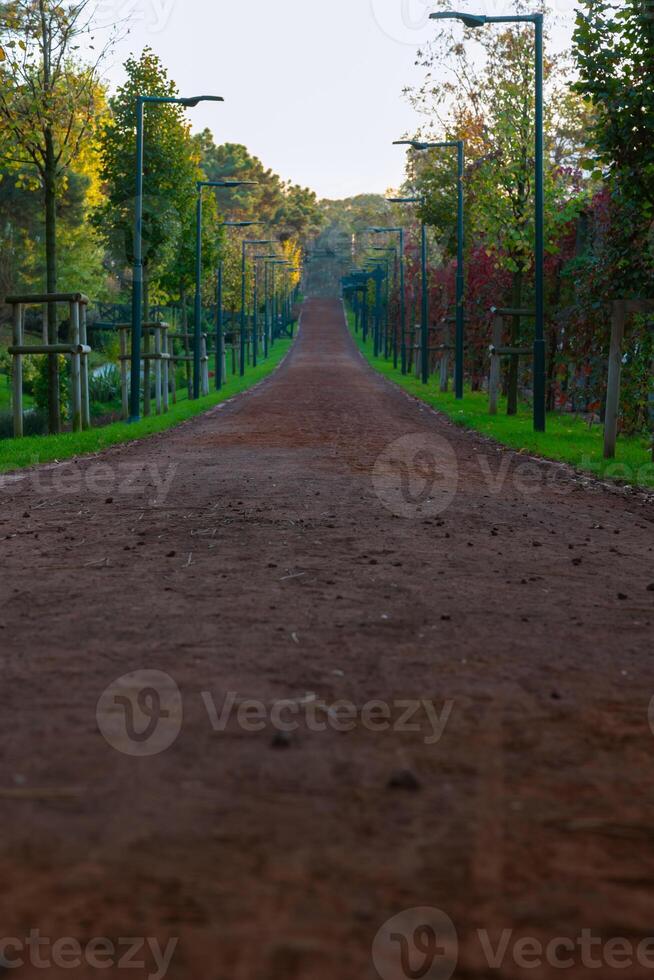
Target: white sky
(313,89)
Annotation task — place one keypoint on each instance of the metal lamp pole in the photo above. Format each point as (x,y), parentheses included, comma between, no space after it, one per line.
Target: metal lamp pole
(137,283)
(220,330)
(424,329)
(197,331)
(473,20)
(399,231)
(387,249)
(245,244)
(266,259)
(460,271)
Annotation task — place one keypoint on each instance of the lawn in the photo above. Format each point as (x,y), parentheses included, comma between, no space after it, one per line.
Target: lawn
(18,453)
(568,439)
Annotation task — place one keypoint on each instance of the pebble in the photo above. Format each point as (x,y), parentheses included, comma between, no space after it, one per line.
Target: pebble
(281,740)
(404,779)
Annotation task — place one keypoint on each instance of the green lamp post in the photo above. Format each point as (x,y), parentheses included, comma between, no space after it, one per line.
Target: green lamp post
(197,326)
(424,326)
(475,21)
(459,145)
(257,259)
(400,231)
(220,328)
(386,249)
(245,245)
(137,283)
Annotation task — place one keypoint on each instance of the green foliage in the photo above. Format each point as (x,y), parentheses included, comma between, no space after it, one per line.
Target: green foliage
(104,386)
(40,388)
(614,48)
(567,439)
(170,171)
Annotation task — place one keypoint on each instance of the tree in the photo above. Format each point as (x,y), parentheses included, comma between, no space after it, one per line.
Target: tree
(614,49)
(494,115)
(48,104)
(171,172)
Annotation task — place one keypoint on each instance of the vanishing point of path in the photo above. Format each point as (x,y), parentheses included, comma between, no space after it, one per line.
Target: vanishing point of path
(249,554)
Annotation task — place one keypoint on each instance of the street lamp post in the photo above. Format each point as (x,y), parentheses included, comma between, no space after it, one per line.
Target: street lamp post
(137,284)
(399,231)
(266,259)
(460,271)
(424,329)
(245,244)
(475,21)
(197,327)
(388,249)
(220,331)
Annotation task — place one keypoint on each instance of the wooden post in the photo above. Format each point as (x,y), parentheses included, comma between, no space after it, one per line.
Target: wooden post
(495,375)
(124,373)
(83,337)
(157,369)
(75,376)
(166,368)
(445,361)
(17,372)
(146,370)
(618,320)
(205,367)
(173,377)
(417,352)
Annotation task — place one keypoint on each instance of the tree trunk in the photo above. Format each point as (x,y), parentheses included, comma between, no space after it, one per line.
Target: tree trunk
(514,360)
(50,191)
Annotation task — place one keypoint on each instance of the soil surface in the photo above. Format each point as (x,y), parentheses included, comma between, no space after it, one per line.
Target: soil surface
(287,549)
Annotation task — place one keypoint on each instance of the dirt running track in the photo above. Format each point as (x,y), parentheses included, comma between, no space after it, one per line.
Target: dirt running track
(271,569)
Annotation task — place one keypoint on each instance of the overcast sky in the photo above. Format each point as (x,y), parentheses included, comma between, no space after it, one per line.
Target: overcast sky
(313,89)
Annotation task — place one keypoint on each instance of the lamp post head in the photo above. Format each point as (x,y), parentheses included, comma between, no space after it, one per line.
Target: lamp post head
(404,200)
(470,20)
(414,144)
(196,99)
(239,224)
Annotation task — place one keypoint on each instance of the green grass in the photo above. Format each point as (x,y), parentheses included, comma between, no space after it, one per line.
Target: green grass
(18,453)
(568,439)
(5,394)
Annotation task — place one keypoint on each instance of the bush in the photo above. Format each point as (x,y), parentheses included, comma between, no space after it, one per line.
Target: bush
(41,385)
(35,423)
(104,386)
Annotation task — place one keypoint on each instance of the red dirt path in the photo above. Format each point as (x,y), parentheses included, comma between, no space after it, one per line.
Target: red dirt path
(271,569)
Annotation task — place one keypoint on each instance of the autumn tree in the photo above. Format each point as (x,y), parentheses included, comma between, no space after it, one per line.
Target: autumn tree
(49,102)
(493,112)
